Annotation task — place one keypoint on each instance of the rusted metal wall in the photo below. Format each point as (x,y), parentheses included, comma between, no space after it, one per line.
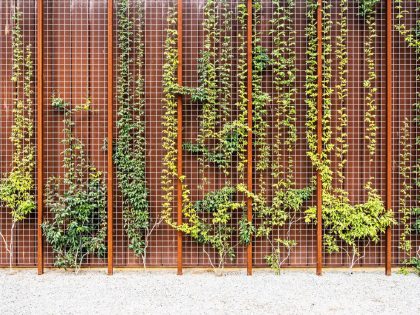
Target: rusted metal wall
(75,66)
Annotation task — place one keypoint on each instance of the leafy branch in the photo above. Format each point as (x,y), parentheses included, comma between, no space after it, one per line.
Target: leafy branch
(77,201)
(17,188)
(355,225)
(208,221)
(412,37)
(130,156)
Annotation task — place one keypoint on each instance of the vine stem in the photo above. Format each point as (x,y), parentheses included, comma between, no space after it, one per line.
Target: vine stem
(9,245)
(149,232)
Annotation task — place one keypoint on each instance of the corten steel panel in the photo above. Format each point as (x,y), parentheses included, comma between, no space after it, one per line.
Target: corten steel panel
(405,95)
(76,64)
(162,250)
(24,247)
(75,70)
(304,254)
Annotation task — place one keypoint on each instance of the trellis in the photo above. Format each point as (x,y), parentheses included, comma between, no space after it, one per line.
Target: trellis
(78,57)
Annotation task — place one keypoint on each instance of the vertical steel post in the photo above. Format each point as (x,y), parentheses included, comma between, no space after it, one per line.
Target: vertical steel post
(388,249)
(249,140)
(319,142)
(179,141)
(110,201)
(40,134)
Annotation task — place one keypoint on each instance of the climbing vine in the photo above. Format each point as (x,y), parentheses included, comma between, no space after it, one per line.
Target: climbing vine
(287,200)
(260,99)
(341,147)
(412,38)
(405,196)
(17,188)
(77,201)
(355,225)
(209,221)
(130,157)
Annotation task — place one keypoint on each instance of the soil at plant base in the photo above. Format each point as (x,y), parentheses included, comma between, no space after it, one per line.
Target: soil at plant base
(163,292)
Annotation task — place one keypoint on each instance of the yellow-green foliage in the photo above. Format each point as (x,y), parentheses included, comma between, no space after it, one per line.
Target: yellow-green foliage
(209,221)
(17,188)
(345,225)
(412,38)
(78,226)
(287,200)
(130,156)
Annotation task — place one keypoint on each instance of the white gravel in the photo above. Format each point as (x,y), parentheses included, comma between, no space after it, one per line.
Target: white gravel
(162,292)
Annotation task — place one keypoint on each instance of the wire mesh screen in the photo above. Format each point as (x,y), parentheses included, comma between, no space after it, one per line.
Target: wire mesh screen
(286,240)
(363,102)
(75,132)
(406,17)
(140,33)
(18,64)
(214,133)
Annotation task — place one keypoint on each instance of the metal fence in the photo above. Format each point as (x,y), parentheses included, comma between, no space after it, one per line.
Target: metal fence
(75,158)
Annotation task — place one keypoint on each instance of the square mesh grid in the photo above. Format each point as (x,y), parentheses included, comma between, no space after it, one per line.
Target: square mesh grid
(75,70)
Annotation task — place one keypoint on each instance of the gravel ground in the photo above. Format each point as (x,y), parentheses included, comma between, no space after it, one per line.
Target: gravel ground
(162,292)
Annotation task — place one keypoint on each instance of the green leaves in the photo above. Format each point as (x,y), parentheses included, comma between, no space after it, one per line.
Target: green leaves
(409,214)
(345,225)
(130,156)
(78,227)
(221,137)
(17,188)
(215,200)
(367,7)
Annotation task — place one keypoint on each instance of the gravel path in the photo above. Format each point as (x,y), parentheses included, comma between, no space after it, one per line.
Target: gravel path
(162,292)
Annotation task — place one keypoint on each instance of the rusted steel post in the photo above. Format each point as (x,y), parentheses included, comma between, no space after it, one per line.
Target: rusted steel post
(40,133)
(388,131)
(179,142)
(249,145)
(110,167)
(319,142)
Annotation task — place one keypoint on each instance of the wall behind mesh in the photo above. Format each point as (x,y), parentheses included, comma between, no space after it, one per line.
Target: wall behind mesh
(161,250)
(359,170)
(405,130)
(75,71)
(24,240)
(303,254)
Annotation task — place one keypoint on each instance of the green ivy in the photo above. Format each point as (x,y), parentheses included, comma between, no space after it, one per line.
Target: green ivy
(130,156)
(412,38)
(207,71)
(17,188)
(208,221)
(287,200)
(367,8)
(405,195)
(345,225)
(76,201)
(260,99)
(341,147)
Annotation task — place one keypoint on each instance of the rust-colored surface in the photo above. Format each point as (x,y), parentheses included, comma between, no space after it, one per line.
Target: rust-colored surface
(76,60)
(40,134)
(388,250)
(319,141)
(179,138)
(110,112)
(250,147)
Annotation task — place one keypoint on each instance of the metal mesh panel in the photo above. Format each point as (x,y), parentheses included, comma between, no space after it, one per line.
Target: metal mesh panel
(75,73)
(161,250)
(23,243)
(204,177)
(405,131)
(75,70)
(361,167)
